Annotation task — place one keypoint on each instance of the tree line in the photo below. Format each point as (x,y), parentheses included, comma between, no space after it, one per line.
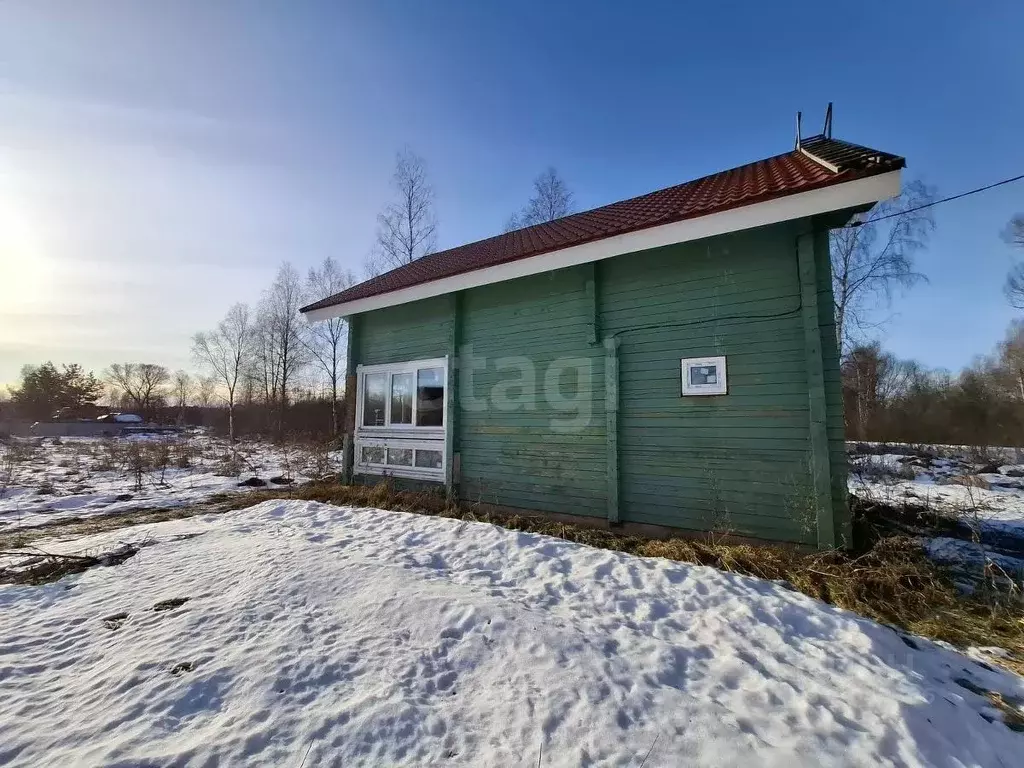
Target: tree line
(893,400)
(886,398)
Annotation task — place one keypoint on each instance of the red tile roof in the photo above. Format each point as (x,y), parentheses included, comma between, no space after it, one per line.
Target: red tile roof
(774,177)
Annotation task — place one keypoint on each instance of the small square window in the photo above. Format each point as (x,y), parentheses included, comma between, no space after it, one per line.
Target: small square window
(703,376)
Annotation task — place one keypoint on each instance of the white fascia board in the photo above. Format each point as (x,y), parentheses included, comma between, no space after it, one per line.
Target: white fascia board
(835,197)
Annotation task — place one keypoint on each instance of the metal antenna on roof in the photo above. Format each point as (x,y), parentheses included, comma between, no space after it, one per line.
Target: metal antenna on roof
(799,115)
(827,130)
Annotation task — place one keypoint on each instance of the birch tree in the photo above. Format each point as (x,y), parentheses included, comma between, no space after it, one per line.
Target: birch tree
(206,389)
(407,227)
(183,388)
(871,261)
(280,348)
(551,200)
(326,340)
(224,352)
(1014,287)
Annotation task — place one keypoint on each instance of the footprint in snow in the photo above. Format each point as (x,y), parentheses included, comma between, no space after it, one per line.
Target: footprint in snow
(172,603)
(116,621)
(182,667)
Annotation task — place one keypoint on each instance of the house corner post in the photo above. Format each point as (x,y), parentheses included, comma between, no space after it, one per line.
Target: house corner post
(452,456)
(831,357)
(349,430)
(593,307)
(820,468)
(611,410)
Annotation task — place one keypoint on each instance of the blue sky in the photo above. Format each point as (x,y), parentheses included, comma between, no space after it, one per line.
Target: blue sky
(158,160)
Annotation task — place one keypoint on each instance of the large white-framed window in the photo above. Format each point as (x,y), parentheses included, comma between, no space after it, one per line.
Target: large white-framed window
(401,411)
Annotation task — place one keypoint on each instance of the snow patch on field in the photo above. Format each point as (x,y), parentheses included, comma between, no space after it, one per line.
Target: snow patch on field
(983,502)
(998,499)
(77,477)
(367,637)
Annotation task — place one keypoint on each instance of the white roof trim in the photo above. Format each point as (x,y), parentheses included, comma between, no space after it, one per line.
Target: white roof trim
(824,163)
(835,197)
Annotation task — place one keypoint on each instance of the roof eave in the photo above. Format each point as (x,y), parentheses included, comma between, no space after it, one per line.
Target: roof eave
(833,197)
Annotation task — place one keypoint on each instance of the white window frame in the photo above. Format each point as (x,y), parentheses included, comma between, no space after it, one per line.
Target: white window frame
(399,436)
(720,387)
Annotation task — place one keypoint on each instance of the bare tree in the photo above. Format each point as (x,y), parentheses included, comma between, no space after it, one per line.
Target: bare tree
(1015,231)
(143,385)
(206,388)
(280,352)
(1009,365)
(325,340)
(183,388)
(1014,287)
(551,200)
(873,259)
(224,352)
(407,227)
(872,379)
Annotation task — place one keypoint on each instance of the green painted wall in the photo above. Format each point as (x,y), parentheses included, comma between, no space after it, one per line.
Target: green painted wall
(738,463)
(415,331)
(527,449)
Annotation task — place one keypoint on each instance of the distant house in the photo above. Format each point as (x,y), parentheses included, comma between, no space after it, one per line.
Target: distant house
(669,360)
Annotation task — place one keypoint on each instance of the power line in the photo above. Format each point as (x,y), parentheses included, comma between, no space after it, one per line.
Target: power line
(936,202)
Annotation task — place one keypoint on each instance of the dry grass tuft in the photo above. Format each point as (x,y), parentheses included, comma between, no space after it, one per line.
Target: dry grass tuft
(1011,709)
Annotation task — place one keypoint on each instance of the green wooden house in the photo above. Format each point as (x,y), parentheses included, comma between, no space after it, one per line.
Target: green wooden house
(667,362)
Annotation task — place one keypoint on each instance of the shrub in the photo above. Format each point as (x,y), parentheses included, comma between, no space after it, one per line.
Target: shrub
(229,465)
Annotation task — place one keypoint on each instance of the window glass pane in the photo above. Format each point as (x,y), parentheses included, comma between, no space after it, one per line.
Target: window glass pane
(374,399)
(430,397)
(400,457)
(428,459)
(372,454)
(401,398)
(701,375)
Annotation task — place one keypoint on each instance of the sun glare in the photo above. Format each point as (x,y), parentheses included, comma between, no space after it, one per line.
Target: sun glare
(23,267)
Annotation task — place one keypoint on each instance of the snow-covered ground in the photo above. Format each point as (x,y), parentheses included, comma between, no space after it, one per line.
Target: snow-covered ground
(317,635)
(985,498)
(952,485)
(43,480)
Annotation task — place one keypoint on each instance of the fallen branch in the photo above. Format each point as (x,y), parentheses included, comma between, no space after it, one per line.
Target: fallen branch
(55,555)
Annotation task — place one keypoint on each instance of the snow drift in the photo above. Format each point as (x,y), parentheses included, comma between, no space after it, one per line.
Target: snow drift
(339,636)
